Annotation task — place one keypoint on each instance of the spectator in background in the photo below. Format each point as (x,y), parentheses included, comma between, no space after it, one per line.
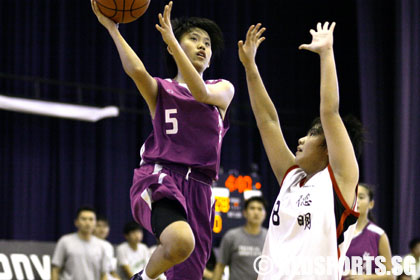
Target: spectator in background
(240,246)
(132,255)
(369,239)
(80,255)
(404,277)
(102,231)
(413,258)
(210,265)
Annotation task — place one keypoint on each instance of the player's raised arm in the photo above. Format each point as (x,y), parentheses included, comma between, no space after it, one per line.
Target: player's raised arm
(341,154)
(191,65)
(279,154)
(132,64)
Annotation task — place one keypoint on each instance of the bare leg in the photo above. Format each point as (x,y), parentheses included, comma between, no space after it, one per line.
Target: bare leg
(177,242)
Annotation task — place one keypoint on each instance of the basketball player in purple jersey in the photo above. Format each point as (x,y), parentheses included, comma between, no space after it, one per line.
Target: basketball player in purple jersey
(369,240)
(171,191)
(313,216)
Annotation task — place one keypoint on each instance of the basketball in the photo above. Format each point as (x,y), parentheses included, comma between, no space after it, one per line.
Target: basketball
(123,11)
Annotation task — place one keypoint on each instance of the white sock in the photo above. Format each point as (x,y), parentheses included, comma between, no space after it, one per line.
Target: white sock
(145,277)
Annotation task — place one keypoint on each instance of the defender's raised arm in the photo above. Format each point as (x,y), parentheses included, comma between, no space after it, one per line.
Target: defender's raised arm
(279,154)
(340,149)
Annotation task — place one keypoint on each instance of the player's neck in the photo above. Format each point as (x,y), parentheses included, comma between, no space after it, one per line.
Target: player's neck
(180,79)
(361,223)
(252,229)
(133,246)
(84,236)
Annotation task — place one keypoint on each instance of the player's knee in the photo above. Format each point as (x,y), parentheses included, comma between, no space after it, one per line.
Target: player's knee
(180,247)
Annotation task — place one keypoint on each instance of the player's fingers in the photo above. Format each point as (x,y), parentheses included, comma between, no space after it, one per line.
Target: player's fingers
(257,28)
(248,34)
(165,11)
(255,31)
(325,27)
(168,9)
(318,27)
(159,28)
(168,14)
(312,32)
(332,26)
(240,44)
(160,19)
(304,47)
(260,41)
(260,32)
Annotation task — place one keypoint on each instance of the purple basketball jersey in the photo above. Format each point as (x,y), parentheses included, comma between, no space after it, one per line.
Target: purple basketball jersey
(185,131)
(366,244)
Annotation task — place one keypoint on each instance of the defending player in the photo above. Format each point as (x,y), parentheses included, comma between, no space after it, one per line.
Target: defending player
(313,215)
(171,191)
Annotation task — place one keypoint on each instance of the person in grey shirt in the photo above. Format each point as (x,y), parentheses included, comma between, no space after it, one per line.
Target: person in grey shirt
(240,246)
(80,255)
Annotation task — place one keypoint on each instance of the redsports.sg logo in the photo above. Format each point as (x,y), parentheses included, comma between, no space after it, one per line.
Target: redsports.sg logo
(307,266)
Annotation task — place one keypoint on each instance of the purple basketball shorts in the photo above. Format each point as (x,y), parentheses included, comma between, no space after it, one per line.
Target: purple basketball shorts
(152,182)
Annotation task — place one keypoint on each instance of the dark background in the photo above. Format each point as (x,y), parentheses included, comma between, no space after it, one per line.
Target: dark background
(57,50)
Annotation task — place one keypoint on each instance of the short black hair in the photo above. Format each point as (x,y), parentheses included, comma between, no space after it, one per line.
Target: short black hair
(131,226)
(85,208)
(413,243)
(102,218)
(354,128)
(182,25)
(259,199)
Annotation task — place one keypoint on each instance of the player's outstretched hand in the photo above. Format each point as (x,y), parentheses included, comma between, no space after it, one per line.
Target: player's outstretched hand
(165,27)
(105,21)
(248,50)
(322,38)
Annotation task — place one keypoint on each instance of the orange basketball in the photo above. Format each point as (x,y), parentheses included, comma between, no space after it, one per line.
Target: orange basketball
(123,11)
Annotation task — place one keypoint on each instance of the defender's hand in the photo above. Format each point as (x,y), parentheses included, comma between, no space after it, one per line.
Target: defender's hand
(248,50)
(322,39)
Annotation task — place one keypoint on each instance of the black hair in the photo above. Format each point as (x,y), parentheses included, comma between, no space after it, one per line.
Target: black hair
(259,199)
(131,226)
(413,243)
(354,128)
(183,25)
(85,208)
(371,195)
(102,218)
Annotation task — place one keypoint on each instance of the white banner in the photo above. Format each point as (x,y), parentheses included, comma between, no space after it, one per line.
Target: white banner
(55,109)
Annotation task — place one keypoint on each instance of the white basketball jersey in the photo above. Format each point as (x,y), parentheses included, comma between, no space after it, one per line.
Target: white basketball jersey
(311,227)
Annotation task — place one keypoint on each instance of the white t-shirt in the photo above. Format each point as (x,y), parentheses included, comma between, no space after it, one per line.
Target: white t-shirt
(310,224)
(112,261)
(136,260)
(410,261)
(80,259)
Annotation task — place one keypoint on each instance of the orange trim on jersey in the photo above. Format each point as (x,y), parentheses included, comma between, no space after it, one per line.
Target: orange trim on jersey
(348,211)
(340,226)
(340,196)
(287,172)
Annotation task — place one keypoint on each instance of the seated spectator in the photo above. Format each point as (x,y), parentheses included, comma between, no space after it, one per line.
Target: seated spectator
(102,231)
(414,258)
(132,255)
